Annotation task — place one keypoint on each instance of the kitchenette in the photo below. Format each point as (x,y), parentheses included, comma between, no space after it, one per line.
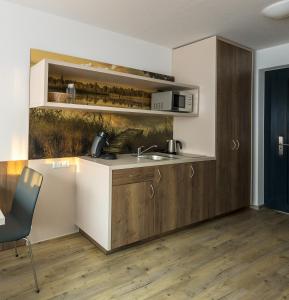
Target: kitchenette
(140,156)
(144,150)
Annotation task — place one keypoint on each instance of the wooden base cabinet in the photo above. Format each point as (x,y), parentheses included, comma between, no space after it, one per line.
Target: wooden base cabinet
(133,208)
(116,208)
(148,202)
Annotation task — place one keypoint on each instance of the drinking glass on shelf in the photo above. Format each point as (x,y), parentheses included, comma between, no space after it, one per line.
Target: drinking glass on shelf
(71,93)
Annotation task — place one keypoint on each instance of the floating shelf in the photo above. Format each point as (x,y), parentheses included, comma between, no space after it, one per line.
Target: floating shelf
(119,110)
(39,86)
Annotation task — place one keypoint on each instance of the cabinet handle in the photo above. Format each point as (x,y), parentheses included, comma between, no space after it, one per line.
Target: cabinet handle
(160,176)
(238,144)
(193,172)
(234,145)
(153,191)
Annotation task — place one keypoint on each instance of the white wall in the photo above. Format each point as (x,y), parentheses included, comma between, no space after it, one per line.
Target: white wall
(265,59)
(54,214)
(23,28)
(196,64)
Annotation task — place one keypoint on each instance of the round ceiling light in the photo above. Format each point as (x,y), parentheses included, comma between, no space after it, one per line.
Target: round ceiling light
(278,10)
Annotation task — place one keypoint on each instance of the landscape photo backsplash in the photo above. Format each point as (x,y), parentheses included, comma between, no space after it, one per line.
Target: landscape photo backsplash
(64,133)
(57,133)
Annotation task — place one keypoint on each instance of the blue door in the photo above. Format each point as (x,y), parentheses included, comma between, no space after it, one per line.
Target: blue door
(276,136)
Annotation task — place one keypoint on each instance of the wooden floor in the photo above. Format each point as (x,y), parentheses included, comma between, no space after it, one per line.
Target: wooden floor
(241,256)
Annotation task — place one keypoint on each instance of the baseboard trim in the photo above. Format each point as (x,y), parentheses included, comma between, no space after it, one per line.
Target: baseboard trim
(157,236)
(257,207)
(281,212)
(87,236)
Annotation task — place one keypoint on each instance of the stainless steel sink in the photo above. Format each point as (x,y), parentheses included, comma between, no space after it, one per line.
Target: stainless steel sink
(157,156)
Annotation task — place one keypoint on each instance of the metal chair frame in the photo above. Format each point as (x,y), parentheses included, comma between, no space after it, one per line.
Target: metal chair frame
(30,254)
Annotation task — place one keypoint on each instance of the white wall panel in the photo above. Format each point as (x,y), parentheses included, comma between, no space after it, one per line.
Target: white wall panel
(196,64)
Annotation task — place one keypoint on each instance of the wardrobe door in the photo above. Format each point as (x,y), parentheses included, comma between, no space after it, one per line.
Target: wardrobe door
(225,143)
(243,127)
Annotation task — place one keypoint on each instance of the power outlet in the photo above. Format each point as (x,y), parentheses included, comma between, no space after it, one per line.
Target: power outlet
(60,164)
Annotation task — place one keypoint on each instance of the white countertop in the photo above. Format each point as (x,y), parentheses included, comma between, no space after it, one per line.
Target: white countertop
(2,218)
(127,161)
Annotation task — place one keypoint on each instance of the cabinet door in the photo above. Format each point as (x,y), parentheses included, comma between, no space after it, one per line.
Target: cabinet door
(185,173)
(185,194)
(133,213)
(166,198)
(173,197)
(203,190)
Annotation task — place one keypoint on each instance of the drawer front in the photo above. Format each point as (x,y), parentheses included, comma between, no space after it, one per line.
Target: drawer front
(127,176)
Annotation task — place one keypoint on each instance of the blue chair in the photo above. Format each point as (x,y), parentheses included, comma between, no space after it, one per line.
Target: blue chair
(18,221)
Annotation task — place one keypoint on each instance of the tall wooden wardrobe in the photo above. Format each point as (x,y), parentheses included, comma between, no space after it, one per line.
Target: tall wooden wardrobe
(233,127)
(223,70)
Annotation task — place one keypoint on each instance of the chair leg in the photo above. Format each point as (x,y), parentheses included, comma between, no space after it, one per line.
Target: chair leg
(15,247)
(32,265)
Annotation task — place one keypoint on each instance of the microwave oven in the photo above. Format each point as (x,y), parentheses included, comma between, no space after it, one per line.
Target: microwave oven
(172,101)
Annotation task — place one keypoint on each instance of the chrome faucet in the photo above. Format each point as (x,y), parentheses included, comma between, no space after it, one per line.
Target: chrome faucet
(140,152)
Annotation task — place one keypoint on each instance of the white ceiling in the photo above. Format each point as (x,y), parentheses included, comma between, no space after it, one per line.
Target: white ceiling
(172,23)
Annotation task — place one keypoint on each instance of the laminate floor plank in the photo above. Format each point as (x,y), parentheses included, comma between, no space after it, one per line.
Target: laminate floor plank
(244,255)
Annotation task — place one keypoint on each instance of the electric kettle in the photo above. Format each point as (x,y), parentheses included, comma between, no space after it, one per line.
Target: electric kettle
(173,146)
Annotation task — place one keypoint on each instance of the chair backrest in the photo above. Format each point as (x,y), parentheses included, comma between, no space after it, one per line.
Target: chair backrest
(25,197)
